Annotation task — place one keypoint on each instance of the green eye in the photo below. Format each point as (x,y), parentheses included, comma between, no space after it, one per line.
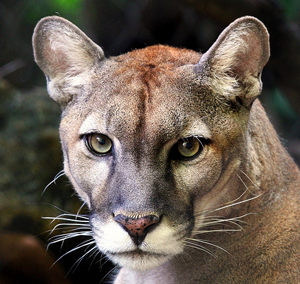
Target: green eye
(189,147)
(98,144)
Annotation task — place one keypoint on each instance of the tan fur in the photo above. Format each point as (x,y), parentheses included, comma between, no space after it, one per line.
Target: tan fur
(229,214)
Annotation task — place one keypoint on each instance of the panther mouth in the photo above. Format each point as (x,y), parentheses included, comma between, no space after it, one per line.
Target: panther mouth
(138,259)
(137,253)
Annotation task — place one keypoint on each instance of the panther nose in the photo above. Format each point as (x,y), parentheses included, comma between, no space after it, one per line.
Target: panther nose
(137,228)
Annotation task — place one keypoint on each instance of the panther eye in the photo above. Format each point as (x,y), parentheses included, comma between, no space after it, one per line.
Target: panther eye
(189,147)
(98,144)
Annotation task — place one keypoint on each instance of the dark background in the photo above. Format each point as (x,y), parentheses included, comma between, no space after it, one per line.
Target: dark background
(30,154)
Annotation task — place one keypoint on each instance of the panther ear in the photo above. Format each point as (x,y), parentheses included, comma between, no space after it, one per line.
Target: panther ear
(66,55)
(234,63)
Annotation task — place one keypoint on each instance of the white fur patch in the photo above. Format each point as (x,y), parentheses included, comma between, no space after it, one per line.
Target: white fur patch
(159,245)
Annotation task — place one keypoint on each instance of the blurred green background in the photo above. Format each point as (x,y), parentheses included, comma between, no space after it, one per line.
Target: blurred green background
(30,154)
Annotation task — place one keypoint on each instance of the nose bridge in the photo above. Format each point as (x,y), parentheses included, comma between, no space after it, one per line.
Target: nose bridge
(141,161)
(136,185)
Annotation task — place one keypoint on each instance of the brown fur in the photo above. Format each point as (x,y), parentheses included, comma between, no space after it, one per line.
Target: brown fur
(238,198)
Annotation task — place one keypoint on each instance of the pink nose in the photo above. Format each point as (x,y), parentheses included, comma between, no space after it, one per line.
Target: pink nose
(137,228)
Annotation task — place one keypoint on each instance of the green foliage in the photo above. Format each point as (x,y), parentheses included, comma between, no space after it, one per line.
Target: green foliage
(281,106)
(71,5)
(291,8)
(70,9)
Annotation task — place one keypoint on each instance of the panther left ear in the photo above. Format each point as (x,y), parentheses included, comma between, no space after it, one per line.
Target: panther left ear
(66,55)
(234,63)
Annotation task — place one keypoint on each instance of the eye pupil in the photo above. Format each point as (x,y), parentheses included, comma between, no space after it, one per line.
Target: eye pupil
(98,143)
(189,147)
(101,141)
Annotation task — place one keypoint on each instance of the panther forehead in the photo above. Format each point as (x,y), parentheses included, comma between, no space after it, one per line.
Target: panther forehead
(158,56)
(146,108)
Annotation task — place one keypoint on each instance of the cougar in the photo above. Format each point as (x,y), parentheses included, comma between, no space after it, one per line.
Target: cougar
(184,176)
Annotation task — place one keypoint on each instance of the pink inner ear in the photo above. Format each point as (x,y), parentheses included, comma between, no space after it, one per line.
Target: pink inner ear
(57,60)
(249,60)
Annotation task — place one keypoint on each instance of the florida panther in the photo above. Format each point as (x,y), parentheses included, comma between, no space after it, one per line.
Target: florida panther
(171,150)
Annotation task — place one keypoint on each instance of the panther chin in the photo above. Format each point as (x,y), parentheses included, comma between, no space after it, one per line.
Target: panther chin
(138,259)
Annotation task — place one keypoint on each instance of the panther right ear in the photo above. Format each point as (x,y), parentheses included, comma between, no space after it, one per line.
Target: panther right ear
(65,54)
(233,64)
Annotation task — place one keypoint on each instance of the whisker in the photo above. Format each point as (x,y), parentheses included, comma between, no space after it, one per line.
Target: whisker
(58,175)
(228,220)
(235,201)
(109,273)
(66,215)
(85,244)
(233,204)
(217,221)
(78,261)
(257,187)
(199,247)
(94,254)
(73,226)
(79,215)
(75,223)
(64,218)
(208,243)
(56,207)
(245,185)
(63,237)
(66,236)
(217,231)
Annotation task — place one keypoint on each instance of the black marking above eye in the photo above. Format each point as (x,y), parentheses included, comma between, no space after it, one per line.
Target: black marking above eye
(188,148)
(98,144)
